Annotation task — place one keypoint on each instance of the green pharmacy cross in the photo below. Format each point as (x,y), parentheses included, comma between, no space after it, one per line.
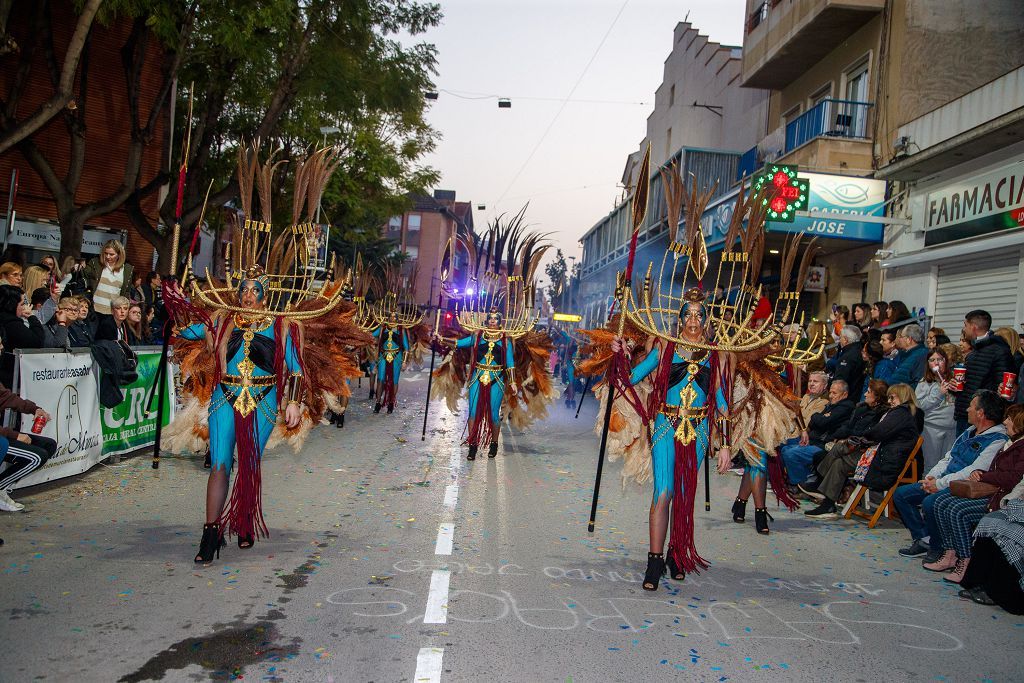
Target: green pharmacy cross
(784,192)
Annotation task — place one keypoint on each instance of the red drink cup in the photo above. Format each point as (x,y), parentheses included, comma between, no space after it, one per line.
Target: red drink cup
(959,373)
(38,424)
(1009,386)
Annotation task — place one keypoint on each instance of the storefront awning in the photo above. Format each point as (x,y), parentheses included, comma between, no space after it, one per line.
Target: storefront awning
(959,249)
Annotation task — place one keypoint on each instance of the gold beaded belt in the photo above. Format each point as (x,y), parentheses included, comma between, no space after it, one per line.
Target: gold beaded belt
(260,381)
(678,411)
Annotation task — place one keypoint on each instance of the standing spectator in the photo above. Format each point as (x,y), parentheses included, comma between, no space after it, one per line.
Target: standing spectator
(1012,339)
(20,329)
(895,434)
(957,517)
(153,326)
(114,327)
(912,358)
(138,332)
(935,400)
(898,312)
(933,335)
(151,289)
(136,292)
(109,278)
(974,449)
(990,358)
(849,365)
(871,352)
(964,348)
(74,273)
(862,316)
(25,452)
(817,432)
(880,314)
(11,274)
(840,318)
(953,353)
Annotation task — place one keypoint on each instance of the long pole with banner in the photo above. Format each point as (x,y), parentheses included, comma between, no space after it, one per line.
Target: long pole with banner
(11,213)
(618,361)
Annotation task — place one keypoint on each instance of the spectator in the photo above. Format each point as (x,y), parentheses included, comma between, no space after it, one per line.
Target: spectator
(885,368)
(44,274)
(894,434)
(110,278)
(58,328)
(11,274)
(933,335)
(137,331)
(814,401)
(996,573)
(113,328)
(1012,339)
(74,270)
(151,289)
(957,517)
(81,332)
(990,358)
(862,316)
(42,302)
(20,329)
(913,356)
(849,365)
(871,353)
(817,432)
(898,312)
(840,319)
(879,314)
(973,449)
(964,348)
(953,353)
(935,400)
(24,452)
(136,293)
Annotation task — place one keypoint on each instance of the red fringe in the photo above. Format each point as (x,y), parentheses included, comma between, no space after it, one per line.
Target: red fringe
(483,426)
(179,309)
(243,514)
(681,547)
(778,482)
(389,391)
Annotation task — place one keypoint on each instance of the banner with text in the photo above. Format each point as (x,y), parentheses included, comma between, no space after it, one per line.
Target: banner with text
(128,427)
(64,385)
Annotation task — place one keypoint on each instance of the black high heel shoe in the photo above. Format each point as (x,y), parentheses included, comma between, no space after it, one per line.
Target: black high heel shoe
(761,517)
(207,464)
(391,408)
(492,450)
(376,408)
(739,510)
(339,422)
(210,545)
(472,452)
(675,572)
(655,570)
(246,542)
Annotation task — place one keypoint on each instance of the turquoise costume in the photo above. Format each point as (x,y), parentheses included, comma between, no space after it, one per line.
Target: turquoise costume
(493,356)
(392,343)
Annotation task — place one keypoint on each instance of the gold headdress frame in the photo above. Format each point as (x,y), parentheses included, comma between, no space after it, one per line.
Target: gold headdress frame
(511,297)
(290,284)
(407,314)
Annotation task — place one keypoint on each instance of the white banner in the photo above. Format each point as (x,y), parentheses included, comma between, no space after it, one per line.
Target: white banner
(64,385)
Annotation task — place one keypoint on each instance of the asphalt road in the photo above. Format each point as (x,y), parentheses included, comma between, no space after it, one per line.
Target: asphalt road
(393,559)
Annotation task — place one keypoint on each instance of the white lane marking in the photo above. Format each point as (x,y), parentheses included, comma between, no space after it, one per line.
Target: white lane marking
(445,536)
(437,598)
(451,495)
(428,665)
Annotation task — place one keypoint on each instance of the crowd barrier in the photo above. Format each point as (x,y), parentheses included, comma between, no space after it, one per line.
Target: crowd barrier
(66,385)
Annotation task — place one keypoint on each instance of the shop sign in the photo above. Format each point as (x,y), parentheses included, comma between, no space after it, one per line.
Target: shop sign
(46,237)
(996,193)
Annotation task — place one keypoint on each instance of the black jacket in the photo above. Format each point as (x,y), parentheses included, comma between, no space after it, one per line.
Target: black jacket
(832,417)
(850,367)
(896,434)
(18,335)
(985,367)
(116,369)
(864,417)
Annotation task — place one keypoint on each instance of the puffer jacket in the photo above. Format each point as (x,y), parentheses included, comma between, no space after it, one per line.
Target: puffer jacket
(985,367)
(896,434)
(864,417)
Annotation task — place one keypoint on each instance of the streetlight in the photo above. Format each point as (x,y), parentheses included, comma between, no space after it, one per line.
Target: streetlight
(325,130)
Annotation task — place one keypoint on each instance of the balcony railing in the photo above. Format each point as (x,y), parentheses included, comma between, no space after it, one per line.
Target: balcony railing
(829,118)
(749,163)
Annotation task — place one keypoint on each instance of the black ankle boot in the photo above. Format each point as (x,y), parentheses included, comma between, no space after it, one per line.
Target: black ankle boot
(340,422)
(675,572)
(391,408)
(376,408)
(472,452)
(211,543)
(371,395)
(739,510)
(492,450)
(655,570)
(761,517)
(206,460)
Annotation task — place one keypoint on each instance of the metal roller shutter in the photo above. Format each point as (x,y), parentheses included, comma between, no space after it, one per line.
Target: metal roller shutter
(989,283)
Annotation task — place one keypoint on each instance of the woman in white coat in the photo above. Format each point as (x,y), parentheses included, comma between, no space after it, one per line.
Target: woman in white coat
(935,400)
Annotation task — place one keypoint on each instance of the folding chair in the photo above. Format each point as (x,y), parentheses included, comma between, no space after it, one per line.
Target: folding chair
(886,506)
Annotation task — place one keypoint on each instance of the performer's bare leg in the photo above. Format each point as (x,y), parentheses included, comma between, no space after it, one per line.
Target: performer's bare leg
(658,523)
(216,494)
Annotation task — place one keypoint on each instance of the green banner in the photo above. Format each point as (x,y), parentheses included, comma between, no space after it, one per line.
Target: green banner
(127,427)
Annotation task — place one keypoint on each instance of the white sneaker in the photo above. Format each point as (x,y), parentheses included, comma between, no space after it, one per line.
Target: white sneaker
(9,505)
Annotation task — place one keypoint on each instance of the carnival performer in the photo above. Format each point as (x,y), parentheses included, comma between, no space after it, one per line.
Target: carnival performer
(392,345)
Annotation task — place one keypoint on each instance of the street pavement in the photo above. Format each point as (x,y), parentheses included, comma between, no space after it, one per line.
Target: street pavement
(395,559)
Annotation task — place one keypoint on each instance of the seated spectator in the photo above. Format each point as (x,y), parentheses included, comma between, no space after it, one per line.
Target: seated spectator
(957,517)
(973,449)
(138,333)
(990,358)
(894,434)
(862,317)
(813,401)
(840,319)
(898,312)
(935,400)
(154,327)
(25,453)
(874,368)
(113,327)
(996,572)
(865,416)
(890,355)
(58,327)
(880,314)
(42,302)
(45,274)
(849,365)
(912,357)
(82,331)
(11,275)
(19,328)
(799,456)
(933,334)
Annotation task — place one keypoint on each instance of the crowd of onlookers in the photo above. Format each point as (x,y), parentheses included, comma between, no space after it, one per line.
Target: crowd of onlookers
(99,304)
(899,406)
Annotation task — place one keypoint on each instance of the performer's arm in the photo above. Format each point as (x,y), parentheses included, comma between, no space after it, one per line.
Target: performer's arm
(510,364)
(645,367)
(465,342)
(294,385)
(193,332)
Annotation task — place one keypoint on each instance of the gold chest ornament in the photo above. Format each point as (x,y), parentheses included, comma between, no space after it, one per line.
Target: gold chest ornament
(246,402)
(488,359)
(390,352)
(686,432)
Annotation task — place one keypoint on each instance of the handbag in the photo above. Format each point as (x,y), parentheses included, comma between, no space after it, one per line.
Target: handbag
(968,488)
(864,464)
